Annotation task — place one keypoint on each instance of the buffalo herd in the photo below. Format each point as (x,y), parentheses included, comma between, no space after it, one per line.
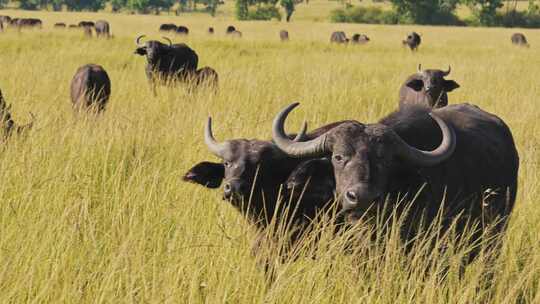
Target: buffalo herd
(454,163)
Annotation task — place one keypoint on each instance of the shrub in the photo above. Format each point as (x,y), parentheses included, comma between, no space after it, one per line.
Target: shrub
(265,12)
(371,15)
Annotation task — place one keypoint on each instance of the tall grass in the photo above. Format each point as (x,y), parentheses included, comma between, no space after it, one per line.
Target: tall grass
(94,210)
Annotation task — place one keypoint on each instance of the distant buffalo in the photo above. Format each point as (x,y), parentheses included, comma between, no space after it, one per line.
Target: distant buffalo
(427,87)
(86,24)
(167,27)
(87,30)
(232,32)
(339,38)
(5,19)
(210,30)
(72,26)
(230,29)
(519,39)
(60,25)
(359,39)
(1,26)
(167,62)
(182,30)
(206,76)
(284,35)
(90,88)
(7,125)
(412,41)
(27,23)
(103,29)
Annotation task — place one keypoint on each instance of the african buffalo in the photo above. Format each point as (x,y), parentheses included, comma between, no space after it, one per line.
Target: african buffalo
(90,88)
(210,30)
(5,19)
(167,27)
(339,37)
(284,35)
(1,26)
(413,41)
(458,160)
(72,26)
(167,62)
(87,30)
(27,23)
(427,87)
(86,24)
(182,30)
(230,29)
(103,29)
(206,76)
(255,174)
(359,39)
(519,39)
(7,125)
(59,25)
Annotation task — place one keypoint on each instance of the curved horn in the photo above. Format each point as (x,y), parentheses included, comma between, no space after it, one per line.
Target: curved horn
(301,136)
(314,147)
(419,68)
(445,73)
(215,147)
(168,40)
(138,40)
(430,158)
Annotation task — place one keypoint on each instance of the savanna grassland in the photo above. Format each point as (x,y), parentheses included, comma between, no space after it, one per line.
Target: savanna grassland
(94,210)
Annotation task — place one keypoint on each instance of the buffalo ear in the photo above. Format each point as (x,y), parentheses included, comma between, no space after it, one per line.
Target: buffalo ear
(140,51)
(415,84)
(450,85)
(206,174)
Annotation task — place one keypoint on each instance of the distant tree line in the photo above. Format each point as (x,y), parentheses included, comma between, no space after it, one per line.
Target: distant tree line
(484,12)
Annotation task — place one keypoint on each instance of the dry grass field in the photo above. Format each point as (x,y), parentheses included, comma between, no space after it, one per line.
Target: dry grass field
(94,210)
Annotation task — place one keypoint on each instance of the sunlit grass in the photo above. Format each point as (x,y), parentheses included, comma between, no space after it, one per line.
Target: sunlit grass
(94,210)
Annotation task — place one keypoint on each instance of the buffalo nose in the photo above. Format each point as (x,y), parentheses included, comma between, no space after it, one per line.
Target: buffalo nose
(227,190)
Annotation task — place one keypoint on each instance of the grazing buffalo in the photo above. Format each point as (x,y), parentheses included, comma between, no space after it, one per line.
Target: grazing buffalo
(359,39)
(167,62)
(413,41)
(182,30)
(1,26)
(86,24)
(167,27)
(254,175)
(427,87)
(60,25)
(72,26)
(90,88)
(519,39)
(103,29)
(230,29)
(7,125)
(211,30)
(284,35)
(458,160)
(339,38)
(206,76)
(27,23)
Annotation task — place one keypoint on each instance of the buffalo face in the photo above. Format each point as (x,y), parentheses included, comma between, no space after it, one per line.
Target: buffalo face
(364,157)
(432,83)
(152,49)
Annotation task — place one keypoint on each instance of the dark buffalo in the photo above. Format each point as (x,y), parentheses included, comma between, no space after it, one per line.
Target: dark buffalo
(167,27)
(230,29)
(72,26)
(27,23)
(253,172)
(427,87)
(90,88)
(519,39)
(7,125)
(458,160)
(1,26)
(211,30)
(359,39)
(206,76)
(103,29)
(182,30)
(413,41)
(167,62)
(86,24)
(284,35)
(60,25)
(339,38)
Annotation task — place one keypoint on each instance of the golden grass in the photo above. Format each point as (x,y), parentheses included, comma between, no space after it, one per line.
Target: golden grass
(95,210)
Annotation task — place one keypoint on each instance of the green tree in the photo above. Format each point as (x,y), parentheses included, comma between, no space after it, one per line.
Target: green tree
(117,5)
(85,5)
(289,7)
(485,11)
(242,9)
(425,11)
(3,3)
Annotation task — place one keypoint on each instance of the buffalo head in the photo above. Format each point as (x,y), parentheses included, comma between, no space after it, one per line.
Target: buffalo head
(364,156)
(431,83)
(152,49)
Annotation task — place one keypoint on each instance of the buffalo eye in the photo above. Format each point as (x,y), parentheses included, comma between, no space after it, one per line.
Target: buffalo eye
(227,164)
(338,158)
